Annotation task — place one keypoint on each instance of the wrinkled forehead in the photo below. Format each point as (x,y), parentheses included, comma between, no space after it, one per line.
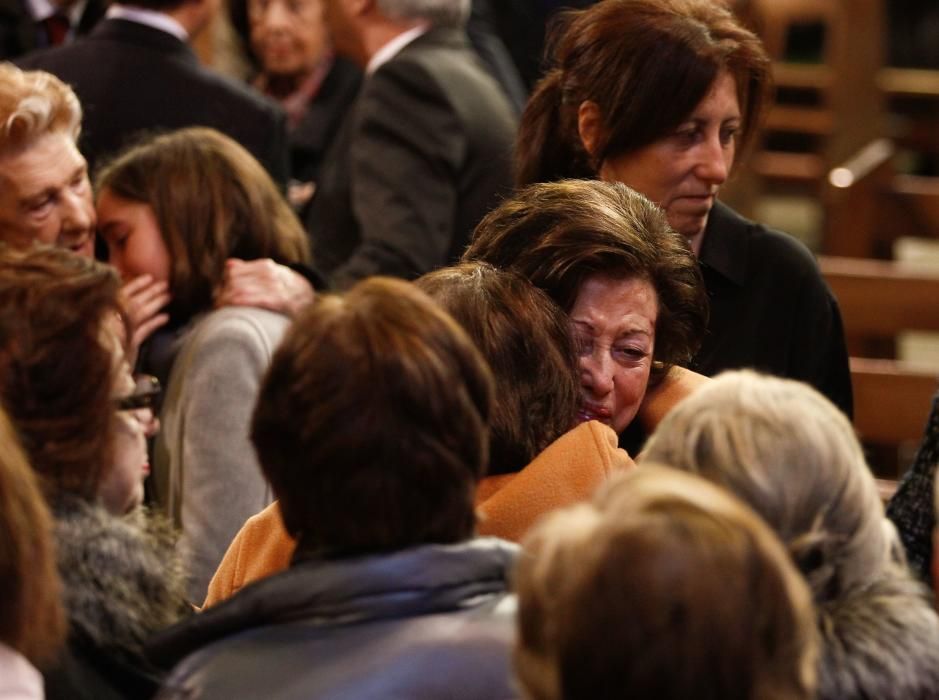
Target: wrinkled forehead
(50,160)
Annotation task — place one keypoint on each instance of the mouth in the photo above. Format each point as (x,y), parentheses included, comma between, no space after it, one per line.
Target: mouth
(145,468)
(700,197)
(594,412)
(83,245)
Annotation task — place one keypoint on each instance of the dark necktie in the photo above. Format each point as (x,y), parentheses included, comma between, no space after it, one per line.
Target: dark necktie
(56,28)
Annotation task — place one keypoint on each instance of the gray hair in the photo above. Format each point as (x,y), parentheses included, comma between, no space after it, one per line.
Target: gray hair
(441,13)
(33,104)
(880,640)
(792,456)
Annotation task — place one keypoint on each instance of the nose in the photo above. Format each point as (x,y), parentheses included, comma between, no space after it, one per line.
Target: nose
(148,421)
(596,376)
(77,212)
(276,15)
(715,159)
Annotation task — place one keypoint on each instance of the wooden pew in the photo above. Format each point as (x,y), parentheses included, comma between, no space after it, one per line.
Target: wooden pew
(879,300)
(823,110)
(912,96)
(892,400)
(869,205)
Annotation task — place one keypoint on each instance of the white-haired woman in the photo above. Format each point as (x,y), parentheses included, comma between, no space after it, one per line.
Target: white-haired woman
(793,457)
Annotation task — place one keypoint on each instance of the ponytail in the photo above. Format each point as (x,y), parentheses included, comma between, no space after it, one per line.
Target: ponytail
(548,146)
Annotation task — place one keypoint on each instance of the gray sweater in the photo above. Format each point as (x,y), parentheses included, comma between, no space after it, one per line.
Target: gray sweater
(206,472)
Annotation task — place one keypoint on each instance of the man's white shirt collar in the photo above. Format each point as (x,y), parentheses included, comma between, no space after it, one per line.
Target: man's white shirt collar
(41,10)
(394,47)
(150,18)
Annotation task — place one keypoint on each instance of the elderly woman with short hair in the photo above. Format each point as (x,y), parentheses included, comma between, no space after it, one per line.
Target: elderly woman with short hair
(794,458)
(629,284)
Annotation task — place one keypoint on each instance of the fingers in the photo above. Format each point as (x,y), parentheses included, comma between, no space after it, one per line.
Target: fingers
(131,288)
(142,299)
(263,284)
(299,290)
(145,329)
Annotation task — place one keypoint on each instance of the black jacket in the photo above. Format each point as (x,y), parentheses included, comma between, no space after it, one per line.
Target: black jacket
(424,155)
(19,33)
(310,139)
(132,78)
(423,623)
(770,308)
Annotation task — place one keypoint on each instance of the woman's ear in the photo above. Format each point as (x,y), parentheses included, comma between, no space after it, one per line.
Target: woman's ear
(589,125)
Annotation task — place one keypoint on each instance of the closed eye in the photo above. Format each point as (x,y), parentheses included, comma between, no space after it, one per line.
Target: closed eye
(630,353)
(41,206)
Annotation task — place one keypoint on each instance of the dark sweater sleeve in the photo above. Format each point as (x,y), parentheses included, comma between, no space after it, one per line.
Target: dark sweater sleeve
(912,509)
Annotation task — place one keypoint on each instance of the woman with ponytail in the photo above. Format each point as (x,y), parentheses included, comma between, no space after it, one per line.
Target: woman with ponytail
(664,96)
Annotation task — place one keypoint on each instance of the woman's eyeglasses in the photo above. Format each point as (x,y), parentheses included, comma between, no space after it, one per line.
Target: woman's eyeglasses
(146,392)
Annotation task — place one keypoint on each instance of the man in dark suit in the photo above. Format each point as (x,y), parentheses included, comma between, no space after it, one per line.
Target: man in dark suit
(136,72)
(426,150)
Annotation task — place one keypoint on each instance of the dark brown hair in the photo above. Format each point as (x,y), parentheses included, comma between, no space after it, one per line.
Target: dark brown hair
(558,234)
(372,422)
(32,620)
(646,64)
(56,373)
(212,201)
(526,339)
(695,595)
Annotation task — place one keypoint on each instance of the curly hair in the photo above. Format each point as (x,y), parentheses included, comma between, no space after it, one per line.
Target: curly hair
(559,234)
(32,104)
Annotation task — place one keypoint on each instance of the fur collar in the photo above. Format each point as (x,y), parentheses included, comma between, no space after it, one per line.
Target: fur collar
(122,577)
(880,640)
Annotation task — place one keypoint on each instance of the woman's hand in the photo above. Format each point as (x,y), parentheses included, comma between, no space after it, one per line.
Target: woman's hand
(142,299)
(263,284)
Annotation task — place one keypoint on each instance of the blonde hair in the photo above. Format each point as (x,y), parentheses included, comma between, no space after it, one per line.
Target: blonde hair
(791,455)
(33,104)
(695,594)
(32,620)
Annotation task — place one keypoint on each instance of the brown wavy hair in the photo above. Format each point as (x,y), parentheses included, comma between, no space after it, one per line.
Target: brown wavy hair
(646,64)
(212,201)
(372,422)
(558,234)
(56,375)
(32,619)
(526,339)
